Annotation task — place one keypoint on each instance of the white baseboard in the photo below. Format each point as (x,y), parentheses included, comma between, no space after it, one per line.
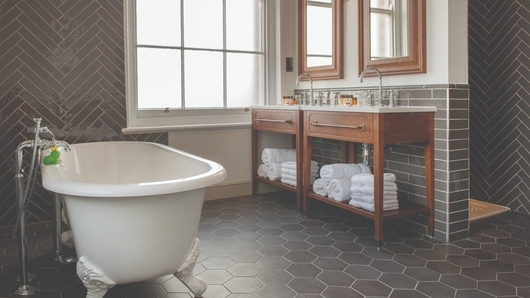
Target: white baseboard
(228,190)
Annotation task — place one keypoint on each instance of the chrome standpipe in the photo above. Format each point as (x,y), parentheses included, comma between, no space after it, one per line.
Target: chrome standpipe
(58,230)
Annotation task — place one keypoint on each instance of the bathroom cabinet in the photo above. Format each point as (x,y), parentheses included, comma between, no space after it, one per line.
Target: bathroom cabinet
(284,120)
(351,125)
(379,127)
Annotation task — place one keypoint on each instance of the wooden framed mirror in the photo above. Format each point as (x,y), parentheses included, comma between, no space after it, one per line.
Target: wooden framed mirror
(320,38)
(392,36)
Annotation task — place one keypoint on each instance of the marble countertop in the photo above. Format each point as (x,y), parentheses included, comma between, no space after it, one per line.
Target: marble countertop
(354,109)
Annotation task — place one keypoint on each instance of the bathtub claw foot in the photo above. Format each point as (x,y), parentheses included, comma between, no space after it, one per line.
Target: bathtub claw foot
(185,273)
(95,282)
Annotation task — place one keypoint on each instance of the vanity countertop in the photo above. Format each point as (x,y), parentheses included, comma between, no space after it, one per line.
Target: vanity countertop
(355,109)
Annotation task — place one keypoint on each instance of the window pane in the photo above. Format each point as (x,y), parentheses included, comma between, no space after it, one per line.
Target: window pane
(158,22)
(243,20)
(158,78)
(244,80)
(204,79)
(384,4)
(319,35)
(203,24)
(380,35)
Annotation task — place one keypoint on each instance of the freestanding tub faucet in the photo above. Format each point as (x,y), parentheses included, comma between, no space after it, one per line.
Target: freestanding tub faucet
(380,101)
(311,87)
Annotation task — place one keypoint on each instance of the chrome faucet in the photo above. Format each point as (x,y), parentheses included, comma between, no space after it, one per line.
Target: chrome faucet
(311,81)
(380,101)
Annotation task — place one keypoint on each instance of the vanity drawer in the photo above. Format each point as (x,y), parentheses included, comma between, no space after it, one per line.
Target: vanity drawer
(354,127)
(276,120)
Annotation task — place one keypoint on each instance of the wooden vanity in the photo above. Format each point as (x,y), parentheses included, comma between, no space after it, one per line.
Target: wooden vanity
(371,125)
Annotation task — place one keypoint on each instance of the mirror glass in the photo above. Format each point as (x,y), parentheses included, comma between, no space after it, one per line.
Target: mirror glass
(320,38)
(392,36)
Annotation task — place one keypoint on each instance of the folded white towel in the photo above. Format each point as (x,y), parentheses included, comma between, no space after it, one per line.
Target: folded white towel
(365,169)
(339,189)
(339,170)
(272,155)
(288,177)
(368,179)
(293,182)
(370,206)
(274,171)
(320,187)
(262,170)
(313,172)
(388,188)
(387,199)
(292,164)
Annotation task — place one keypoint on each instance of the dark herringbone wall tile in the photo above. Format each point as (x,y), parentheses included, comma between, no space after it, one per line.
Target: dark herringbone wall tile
(61,61)
(499,74)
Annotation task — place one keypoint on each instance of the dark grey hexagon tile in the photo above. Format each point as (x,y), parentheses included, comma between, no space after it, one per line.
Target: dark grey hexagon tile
(443,267)
(316,231)
(271,240)
(458,281)
(363,233)
(215,277)
(429,254)
(294,235)
(291,227)
(496,248)
(290,220)
(511,242)
(435,289)
(513,259)
(510,228)
(393,238)
(317,240)
(273,263)
(342,236)
(523,269)
(448,248)
(270,231)
(398,281)
(275,291)
(244,269)
(363,272)
(348,246)
(523,292)
(398,248)
(478,273)
(274,277)
(387,266)
(463,261)
(481,238)
(371,288)
(229,210)
(472,293)
(325,251)
(145,290)
(303,270)
(410,260)
(523,251)
(514,279)
(354,258)
(209,221)
(241,285)
(249,213)
(269,224)
(248,228)
(247,236)
(418,243)
(422,274)
(522,236)
(334,227)
(496,233)
(297,245)
(330,264)
(221,250)
(247,245)
(273,251)
(335,292)
(300,257)
(229,217)
(496,266)
(312,223)
(217,263)
(336,278)
(375,253)
(496,288)
(215,291)
(480,254)
(307,285)
(465,243)
(407,294)
(246,256)
(249,220)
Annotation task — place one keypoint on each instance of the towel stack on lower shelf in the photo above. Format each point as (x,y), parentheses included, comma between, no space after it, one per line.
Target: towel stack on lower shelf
(362,192)
(272,162)
(288,172)
(334,181)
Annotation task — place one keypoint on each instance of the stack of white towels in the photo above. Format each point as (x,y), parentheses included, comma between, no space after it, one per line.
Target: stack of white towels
(362,192)
(280,164)
(288,172)
(335,180)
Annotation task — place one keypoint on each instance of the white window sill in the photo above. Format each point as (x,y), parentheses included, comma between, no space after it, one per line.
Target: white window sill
(167,128)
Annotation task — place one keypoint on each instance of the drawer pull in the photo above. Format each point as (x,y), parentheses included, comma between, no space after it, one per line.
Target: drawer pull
(360,127)
(274,120)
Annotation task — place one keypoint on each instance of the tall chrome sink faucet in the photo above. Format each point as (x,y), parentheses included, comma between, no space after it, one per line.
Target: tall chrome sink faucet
(311,89)
(380,104)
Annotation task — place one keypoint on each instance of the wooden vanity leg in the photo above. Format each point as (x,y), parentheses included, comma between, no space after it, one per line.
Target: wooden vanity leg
(379,153)
(307,171)
(429,178)
(254,160)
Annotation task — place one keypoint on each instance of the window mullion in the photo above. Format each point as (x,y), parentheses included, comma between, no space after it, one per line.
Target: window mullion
(225,82)
(182,61)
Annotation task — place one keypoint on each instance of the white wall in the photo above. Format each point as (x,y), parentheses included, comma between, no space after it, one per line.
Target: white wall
(446,63)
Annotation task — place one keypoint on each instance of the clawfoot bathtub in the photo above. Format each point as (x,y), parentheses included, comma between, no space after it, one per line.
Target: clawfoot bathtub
(133,209)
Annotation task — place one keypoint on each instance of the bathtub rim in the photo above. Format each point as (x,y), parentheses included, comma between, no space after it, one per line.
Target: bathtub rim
(53,178)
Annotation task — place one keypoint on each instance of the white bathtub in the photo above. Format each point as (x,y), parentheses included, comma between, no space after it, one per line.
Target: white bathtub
(134,210)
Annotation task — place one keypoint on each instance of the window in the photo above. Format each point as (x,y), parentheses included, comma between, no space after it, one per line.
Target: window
(388,28)
(194,62)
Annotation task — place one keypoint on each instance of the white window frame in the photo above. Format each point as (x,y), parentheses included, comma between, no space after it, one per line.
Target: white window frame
(160,120)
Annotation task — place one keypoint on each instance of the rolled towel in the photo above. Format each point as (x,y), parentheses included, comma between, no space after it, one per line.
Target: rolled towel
(370,206)
(339,170)
(272,155)
(320,187)
(370,199)
(365,169)
(339,189)
(262,170)
(368,179)
(274,171)
(388,188)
